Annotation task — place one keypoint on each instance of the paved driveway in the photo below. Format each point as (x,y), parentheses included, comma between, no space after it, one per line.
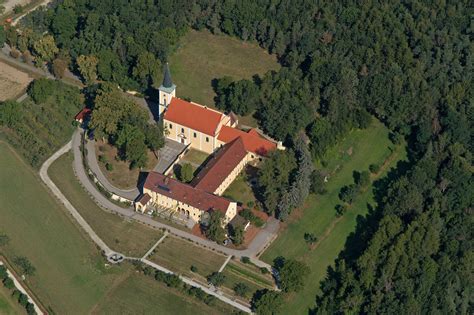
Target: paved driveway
(168,154)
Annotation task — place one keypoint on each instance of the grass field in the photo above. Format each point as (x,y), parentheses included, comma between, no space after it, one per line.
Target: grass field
(203,57)
(356,152)
(179,255)
(236,272)
(121,175)
(8,306)
(128,237)
(70,275)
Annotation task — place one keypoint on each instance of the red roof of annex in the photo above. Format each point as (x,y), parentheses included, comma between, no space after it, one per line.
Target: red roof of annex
(185,193)
(220,166)
(194,116)
(253,141)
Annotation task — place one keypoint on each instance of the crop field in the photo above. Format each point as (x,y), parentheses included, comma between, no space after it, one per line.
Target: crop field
(355,153)
(12,82)
(128,237)
(179,255)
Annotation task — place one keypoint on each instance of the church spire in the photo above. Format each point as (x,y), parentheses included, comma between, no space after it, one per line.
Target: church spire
(167,83)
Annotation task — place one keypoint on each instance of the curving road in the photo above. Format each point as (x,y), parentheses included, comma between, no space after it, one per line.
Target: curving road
(260,242)
(101,244)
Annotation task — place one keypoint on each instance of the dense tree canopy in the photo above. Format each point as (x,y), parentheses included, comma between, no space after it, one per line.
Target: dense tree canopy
(408,63)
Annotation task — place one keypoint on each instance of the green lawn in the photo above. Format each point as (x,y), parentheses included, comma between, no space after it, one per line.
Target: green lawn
(152,297)
(8,306)
(240,190)
(202,57)
(128,237)
(356,152)
(179,255)
(195,157)
(70,275)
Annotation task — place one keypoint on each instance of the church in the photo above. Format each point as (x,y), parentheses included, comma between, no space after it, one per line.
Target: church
(214,133)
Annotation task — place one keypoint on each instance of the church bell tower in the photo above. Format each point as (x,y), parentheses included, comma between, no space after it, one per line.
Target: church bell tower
(167,90)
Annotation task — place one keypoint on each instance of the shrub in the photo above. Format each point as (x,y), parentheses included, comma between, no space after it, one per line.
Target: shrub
(216,279)
(8,283)
(194,268)
(248,214)
(264,270)
(109,167)
(362,179)
(310,238)
(245,260)
(17,9)
(23,299)
(250,204)
(241,289)
(210,300)
(340,210)
(30,309)
(348,193)
(24,264)
(15,53)
(374,168)
(3,272)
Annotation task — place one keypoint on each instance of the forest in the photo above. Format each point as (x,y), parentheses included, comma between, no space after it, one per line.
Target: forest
(408,63)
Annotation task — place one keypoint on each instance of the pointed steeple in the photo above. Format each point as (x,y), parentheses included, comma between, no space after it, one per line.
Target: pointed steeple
(167,83)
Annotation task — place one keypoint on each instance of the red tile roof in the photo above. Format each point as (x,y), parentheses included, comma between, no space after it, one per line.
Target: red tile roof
(185,193)
(83,114)
(144,199)
(253,141)
(220,166)
(193,116)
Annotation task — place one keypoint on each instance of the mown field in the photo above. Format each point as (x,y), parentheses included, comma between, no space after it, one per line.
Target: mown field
(179,255)
(139,294)
(128,237)
(355,153)
(236,272)
(70,276)
(202,57)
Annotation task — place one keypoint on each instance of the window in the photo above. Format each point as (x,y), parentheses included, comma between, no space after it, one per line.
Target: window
(195,135)
(182,130)
(207,139)
(171,126)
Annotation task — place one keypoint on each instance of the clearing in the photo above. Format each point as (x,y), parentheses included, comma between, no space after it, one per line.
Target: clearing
(13,82)
(179,255)
(202,57)
(125,236)
(355,153)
